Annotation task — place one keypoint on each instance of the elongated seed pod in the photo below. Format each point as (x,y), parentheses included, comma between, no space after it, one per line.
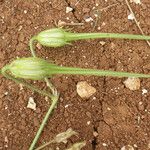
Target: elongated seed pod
(30,68)
(57,37)
(36,69)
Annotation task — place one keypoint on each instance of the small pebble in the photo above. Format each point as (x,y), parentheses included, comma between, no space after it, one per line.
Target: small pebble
(135,145)
(66,106)
(144,91)
(98,28)
(104,144)
(131,17)
(20,28)
(108,108)
(141,106)
(69,9)
(57,148)
(31,104)
(127,147)
(136,1)
(102,43)
(6,139)
(85,90)
(6,93)
(25,11)
(21,87)
(95,134)
(88,123)
(132,83)
(61,23)
(103,23)
(94,98)
(88,19)
(38,45)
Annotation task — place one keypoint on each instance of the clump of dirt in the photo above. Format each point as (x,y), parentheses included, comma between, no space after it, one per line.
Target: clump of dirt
(110,119)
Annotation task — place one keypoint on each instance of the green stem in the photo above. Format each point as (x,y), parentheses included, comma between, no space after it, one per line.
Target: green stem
(54,99)
(50,85)
(19,81)
(81,71)
(31,44)
(81,36)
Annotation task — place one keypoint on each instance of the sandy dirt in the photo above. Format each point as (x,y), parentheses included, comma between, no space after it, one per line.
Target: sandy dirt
(110,119)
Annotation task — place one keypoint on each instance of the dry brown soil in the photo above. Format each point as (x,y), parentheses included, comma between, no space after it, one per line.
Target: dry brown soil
(119,116)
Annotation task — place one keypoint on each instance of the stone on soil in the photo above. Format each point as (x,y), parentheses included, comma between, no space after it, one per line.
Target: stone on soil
(85,90)
(132,83)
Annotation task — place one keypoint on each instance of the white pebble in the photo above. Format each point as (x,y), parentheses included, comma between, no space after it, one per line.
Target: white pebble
(6,93)
(95,134)
(102,43)
(104,144)
(66,106)
(21,86)
(88,123)
(94,98)
(31,104)
(20,28)
(61,23)
(6,107)
(6,139)
(25,11)
(47,98)
(88,19)
(103,23)
(69,9)
(108,108)
(85,90)
(98,28)
(131,17)
(144,91)
(135,145)
(136,1)
(132,83)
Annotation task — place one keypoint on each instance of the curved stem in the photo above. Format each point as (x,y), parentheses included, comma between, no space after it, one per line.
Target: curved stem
(80,36)
(55,100)
(31,44)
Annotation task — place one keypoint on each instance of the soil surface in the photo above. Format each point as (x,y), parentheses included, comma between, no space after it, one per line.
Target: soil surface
(114,116)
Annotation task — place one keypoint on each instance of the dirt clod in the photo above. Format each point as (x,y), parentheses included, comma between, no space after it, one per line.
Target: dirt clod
(132,83)
(85,90)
